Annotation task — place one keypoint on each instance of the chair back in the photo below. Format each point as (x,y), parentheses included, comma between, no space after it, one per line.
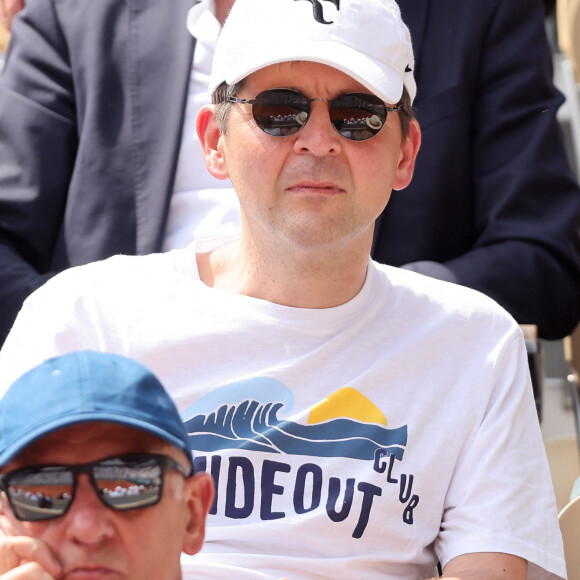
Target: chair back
(568,26)
(569,519)
(572,352)
(4,38)
(564,462)
(572,357)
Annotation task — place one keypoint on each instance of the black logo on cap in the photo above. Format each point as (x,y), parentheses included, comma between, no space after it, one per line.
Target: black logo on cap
(317,9)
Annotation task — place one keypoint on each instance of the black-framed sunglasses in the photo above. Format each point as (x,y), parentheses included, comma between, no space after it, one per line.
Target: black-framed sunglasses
(283,112)
(123,482)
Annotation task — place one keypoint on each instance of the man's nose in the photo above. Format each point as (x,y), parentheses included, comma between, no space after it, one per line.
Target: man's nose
(88,520)
(318,136)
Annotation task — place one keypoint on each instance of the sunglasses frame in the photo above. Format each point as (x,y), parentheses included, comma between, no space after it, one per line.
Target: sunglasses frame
(164,462)
(252,102)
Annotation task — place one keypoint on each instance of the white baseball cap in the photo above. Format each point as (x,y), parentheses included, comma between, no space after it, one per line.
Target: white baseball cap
(365,39)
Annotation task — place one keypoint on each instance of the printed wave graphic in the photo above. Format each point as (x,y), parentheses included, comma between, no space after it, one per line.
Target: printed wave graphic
(255,426)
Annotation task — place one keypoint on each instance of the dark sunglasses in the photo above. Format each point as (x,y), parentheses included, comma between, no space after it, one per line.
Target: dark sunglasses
(125,482)
(283,112)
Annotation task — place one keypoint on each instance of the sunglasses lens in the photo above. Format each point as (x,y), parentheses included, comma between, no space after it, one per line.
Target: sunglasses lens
(129,484)
(123,483)
(283,112)
(280,112)
(40,494)
(358,116)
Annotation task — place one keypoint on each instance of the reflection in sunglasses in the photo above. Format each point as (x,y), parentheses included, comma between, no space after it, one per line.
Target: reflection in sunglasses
(283,112)
(121,483)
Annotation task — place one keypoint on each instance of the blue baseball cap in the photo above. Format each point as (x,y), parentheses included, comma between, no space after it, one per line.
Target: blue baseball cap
(87,386)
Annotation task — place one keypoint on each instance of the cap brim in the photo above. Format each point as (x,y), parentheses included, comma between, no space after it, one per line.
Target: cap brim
(33,435)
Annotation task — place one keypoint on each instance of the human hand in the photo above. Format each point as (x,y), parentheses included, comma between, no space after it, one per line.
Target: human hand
(8,10)
(24,558)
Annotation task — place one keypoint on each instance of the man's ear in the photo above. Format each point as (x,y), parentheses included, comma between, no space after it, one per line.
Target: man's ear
(409,149)
(209,138)
(200,492)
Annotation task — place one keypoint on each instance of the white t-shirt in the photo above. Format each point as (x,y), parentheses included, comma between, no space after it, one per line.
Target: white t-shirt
(201,205)
(362,441)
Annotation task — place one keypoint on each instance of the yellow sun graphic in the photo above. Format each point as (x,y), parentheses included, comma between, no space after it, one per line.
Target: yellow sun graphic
(347,402)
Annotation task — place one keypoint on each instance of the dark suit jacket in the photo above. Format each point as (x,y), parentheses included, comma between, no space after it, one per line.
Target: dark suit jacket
(492,196)
(91,112)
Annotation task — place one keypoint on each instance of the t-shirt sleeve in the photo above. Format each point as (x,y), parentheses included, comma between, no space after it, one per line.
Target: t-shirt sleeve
(501,497)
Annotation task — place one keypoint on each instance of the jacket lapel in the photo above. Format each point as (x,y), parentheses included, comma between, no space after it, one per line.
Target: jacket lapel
(415,14)
(160,58)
